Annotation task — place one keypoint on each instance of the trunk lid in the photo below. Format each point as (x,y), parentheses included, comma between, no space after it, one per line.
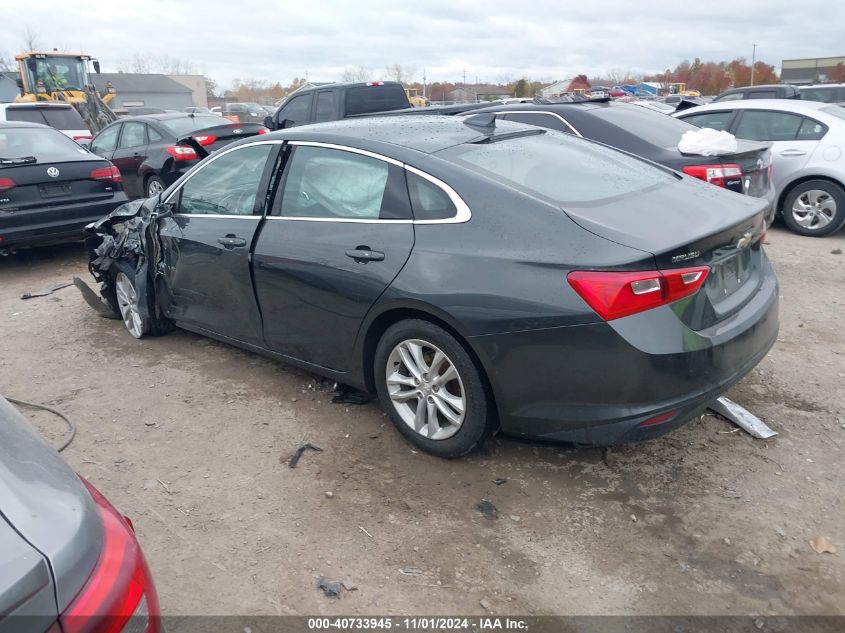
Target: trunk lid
(26,587)
(47,506)
(213,138)
(686,224)
(752,157)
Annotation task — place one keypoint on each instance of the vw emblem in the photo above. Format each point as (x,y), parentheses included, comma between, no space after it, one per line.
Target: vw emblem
(237,131)
(52,172)
(744,241)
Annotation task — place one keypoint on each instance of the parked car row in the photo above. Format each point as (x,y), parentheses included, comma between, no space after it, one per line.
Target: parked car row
(827,93)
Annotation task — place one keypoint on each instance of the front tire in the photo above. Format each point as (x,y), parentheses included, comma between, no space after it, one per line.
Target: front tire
(815,208)
(432,389)
(127,302)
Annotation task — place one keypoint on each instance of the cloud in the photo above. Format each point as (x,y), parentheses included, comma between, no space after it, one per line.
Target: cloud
(542,39)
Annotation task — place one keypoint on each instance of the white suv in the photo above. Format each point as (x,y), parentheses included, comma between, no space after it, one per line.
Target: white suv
(61,116)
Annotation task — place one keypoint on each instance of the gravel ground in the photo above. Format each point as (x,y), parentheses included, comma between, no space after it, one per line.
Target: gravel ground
(191,438)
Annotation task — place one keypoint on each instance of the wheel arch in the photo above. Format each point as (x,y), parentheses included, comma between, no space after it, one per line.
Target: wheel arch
(378,324)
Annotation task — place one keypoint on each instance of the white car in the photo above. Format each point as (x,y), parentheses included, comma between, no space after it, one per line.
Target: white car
(61,116)
(808,162)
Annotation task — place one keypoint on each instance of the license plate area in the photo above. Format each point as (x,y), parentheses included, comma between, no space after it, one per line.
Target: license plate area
(729,275)
(55,190)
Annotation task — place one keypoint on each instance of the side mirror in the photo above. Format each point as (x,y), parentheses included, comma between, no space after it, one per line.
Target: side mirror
(164,209)
(269,123)
(97,66)
(283,123)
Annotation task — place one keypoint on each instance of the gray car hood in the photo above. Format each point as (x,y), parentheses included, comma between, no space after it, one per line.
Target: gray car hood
(47,504)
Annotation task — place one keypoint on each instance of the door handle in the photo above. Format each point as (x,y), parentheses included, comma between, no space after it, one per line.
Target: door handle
(231,241)
(793,152)
(363,254)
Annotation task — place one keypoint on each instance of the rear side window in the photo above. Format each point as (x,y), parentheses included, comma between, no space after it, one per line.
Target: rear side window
(811,130)
(714,120)
(154,136)
(330,183)
(134,134)
(325,106)
(106,140)
(429,201)
(762,94)
(45,144)
(365,99)
(761,125)
(734,96)
(562,168)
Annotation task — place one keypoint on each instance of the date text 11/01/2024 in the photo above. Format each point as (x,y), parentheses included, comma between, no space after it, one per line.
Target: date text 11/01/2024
(417,624)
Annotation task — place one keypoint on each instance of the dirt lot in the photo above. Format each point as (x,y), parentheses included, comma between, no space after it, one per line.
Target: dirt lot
(190,438)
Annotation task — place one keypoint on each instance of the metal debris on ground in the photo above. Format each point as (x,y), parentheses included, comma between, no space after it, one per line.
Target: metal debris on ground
(331,588)
(500,480)
(410,570)
(47,290)
(343,394)
(742,417)
(294,459)
(487,509)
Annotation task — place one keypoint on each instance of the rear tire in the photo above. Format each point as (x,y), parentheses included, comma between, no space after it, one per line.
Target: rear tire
(815,208)
(432,389)
(154,186)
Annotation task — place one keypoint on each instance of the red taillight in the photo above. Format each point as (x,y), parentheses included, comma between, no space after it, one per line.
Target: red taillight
(614,295)
(108,174)
(6,184)
(714,174)
(181,152)
(120,586)
(375,83)
(659,419)
(263,130)
(83,137)
(205,139)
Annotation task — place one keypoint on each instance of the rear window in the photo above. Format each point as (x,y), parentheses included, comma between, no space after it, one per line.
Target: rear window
(182,126)
(835,110)
(59,118)
(46,145)
(560,167)
(651,126)
(365,99)
(828,94)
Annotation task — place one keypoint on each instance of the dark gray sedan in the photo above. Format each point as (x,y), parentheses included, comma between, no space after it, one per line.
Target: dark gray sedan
(68,560)
(476,274)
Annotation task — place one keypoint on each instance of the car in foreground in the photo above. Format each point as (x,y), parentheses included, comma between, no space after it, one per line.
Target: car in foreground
(59,116)
(476,274)
(655,136)
(70,561)
(50,187)
(808,164)
(148,150)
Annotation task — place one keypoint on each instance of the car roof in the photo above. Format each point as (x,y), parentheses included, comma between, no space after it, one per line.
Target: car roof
(785,105)
(426,134)
(35,104)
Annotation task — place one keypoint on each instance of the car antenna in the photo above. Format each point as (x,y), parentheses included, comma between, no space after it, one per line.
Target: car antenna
(485,122)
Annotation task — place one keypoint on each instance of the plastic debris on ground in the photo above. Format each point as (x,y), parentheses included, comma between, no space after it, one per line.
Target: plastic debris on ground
(297,454)
(487,509)
(48,290)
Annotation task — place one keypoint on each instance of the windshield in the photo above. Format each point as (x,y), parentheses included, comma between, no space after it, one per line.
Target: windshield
(186,125)
(560,167)
(46,145)
(57,73)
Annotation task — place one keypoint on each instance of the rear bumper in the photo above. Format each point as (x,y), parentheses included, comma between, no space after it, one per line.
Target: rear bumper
(73,218)
(597,383)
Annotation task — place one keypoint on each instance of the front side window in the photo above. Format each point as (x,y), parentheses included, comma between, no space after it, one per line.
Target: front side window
(715,120)
(134,134)
(762,125)
(559,167)
(296,110)
(228,185)
(331,183)
(106,140)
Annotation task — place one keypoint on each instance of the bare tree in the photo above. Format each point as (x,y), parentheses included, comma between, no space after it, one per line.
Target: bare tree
(361,73)
(400,73)
(144,63)
(30,39)
(7,63)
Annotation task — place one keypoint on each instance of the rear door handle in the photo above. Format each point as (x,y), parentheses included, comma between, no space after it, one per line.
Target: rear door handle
(231,241)
(363,254)
(793,152)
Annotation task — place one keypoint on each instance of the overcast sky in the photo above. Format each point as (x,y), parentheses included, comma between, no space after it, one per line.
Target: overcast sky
(490,39)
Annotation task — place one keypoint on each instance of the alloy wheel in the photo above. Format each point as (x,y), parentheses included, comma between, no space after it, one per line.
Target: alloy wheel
(127,301)
(154,187)
(426,389)
(814,209)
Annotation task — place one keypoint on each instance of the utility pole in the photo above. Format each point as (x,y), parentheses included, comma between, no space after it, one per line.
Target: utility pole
(753,59)
(465,77)
(423,83)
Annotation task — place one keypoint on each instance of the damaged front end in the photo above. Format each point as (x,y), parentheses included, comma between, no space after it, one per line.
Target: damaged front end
(127,241)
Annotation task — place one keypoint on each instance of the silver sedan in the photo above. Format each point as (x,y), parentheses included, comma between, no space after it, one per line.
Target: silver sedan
(808,162)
